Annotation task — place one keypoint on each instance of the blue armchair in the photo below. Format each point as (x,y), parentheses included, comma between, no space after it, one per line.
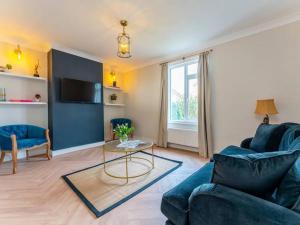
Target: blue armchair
(119,121)
(23,137)
(199,201)
(214,204)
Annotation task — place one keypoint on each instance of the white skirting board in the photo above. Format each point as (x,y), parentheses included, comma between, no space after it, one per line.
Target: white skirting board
(182,147)
(76,148)
(22,154)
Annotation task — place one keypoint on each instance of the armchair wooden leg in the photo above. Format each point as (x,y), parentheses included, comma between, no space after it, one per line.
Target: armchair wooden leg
(48,152)
(14,153)
(2,157)
(15,161)
(27,155)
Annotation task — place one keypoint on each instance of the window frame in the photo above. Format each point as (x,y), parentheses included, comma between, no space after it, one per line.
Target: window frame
(187,78)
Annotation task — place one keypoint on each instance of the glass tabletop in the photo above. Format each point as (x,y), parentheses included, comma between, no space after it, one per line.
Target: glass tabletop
(112,146)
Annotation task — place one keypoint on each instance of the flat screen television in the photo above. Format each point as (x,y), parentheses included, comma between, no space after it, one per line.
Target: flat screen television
(79,91)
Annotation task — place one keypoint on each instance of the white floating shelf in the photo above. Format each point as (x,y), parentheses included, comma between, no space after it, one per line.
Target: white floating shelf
(114,104)
(6,74)
(23,103)
(113,88)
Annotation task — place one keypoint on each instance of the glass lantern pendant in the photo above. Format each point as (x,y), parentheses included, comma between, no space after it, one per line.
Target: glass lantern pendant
(124,42)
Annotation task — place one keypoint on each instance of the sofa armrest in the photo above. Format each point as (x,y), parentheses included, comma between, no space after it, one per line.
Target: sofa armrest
(214,204)
(5,141)
(36,132)
(246,143)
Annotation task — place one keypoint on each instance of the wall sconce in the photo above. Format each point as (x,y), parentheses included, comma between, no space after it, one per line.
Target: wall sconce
(18,52)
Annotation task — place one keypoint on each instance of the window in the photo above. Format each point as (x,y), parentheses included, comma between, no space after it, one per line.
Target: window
(183,92)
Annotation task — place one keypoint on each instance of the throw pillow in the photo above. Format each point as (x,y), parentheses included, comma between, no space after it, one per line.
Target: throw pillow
(289,189)
(267,137)
(257,174)
(295,145)
(296,207)
(288,137)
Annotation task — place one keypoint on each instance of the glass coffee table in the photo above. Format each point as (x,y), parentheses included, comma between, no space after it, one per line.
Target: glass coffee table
(127,154)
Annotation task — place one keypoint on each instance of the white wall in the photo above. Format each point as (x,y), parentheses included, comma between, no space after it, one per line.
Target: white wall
(264,65)
(142,100)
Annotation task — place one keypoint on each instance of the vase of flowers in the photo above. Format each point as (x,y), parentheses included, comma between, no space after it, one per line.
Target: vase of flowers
(123,131)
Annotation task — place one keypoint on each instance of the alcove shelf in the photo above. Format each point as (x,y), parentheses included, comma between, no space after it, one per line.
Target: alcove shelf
(21,76)
(113,88)
(114,104)
(23,103)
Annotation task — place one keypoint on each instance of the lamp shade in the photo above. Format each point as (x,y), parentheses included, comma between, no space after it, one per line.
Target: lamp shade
(265,107)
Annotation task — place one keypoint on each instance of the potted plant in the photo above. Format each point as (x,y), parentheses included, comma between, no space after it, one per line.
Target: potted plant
(5,68)
(113,98)
(123,131)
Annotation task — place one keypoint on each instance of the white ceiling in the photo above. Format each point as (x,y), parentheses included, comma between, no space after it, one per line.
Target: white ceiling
(158,28)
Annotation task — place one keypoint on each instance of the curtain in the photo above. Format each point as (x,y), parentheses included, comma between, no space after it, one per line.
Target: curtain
(162,139)
(204,111)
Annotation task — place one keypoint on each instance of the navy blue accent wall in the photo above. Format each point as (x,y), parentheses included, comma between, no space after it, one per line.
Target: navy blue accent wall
(73,124)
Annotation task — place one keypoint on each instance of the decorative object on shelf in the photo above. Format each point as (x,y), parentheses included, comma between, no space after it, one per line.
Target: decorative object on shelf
(113,77)
(113,98)
(36,67)
(124,42)
(2,95)
(266,107)
(20,100)
(37,98)
(123,131)
(18,52)
(9,66)
(5,68)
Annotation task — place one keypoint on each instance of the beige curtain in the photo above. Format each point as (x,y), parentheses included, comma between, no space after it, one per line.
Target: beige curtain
(204,112)
(162,139)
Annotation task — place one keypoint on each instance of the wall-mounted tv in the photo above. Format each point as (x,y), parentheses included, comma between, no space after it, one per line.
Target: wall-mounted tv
(79,91)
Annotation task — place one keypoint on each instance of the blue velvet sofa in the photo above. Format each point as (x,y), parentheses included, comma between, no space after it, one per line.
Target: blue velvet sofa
(199,201)
(23,137)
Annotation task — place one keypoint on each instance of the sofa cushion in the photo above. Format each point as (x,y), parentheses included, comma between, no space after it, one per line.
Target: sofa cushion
(35,132)
(289,189)
(267,137)
(19,130)
(295,145)
(258,174)
(30,142)
(234,150)
(296,207)
(289,136)
(175,202)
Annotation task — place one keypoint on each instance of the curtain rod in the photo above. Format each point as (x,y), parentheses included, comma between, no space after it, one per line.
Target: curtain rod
(187,56)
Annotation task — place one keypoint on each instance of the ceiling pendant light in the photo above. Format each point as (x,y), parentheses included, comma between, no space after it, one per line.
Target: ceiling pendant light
(124,42)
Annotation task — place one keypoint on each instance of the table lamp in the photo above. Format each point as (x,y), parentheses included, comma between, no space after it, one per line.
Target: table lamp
(266,107)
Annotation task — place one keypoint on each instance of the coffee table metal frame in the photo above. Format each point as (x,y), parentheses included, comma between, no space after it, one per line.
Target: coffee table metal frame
(128,156)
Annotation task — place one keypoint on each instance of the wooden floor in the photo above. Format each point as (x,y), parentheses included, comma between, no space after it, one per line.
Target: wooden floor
(37,195)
